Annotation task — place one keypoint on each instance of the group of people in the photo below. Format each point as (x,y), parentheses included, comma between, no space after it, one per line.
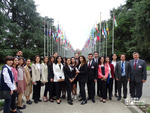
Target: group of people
(60,75)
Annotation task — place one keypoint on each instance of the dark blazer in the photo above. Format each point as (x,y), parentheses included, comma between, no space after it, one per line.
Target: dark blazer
(92,71)
(50,72)
(112,70)
(139,73)
(68,73)
(118,70)
(82,76)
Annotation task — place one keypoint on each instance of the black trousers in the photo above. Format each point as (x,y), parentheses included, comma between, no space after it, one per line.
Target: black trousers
(69,88)
(46,89)
(51,90)
(13,100)
(98,87)
(37,90)
(136,89)
(58,89)
(110,87)
(7,104)
(103,88)
(82,90)
(91,89)
(116,86)
(122,81)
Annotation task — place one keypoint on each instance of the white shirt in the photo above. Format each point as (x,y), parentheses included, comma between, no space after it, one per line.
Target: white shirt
(7,79)
(114,63)
(110,72)
(39,67)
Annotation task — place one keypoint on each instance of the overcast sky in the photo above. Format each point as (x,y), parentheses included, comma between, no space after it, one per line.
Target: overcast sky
(77,17)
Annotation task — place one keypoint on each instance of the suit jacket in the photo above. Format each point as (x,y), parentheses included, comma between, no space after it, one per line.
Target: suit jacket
(44,68)
(27,74)
(118,70)
(139,73)
(68,73)
(92,71)
(58,72)
(35,73)
(82,76)
(112,70)
(50,72)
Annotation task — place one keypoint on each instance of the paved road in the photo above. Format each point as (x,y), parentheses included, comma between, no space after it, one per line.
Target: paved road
(109,107)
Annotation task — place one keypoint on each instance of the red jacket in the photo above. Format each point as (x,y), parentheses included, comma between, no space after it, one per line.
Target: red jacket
(100,71)
(112,70)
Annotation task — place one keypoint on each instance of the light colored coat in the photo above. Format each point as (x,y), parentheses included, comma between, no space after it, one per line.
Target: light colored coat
(58,72)
(35,73)
(44,68)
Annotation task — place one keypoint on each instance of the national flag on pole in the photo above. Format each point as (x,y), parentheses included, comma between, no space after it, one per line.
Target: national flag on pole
(103,33)
(98,37)
(107,29)
(115,22)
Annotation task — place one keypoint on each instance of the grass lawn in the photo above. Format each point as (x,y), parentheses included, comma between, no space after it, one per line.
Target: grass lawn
(148,68)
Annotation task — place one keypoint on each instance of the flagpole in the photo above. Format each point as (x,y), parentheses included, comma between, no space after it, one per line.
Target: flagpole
(100,37)
(44,37)
(106,45)
(50,40)
(47,38)
(113,35)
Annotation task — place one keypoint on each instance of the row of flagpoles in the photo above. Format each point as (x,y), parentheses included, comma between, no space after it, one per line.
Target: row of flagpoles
(55,40)
(97,40)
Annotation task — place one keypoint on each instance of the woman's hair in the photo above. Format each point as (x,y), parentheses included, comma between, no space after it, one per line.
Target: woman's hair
(50,62)
(35,59)
(21,58)
(57,59)
(13,63)
(99,60)
(45,58)
(8,58)
(84,61)
(75,61)
(67,59)
(109,60)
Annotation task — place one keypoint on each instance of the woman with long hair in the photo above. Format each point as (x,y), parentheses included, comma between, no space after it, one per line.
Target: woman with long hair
(14,70)
(82,77)
(68,79)
(103,71)
(28,76)
(51,78)
(58,76)
(21,83)
(36,79)
(44,79)
(74,83)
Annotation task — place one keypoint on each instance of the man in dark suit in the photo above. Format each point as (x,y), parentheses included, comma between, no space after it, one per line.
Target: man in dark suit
(122,73)
(92,72)
(138,75)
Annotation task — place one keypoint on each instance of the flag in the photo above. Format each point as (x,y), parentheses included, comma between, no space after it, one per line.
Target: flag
(98,37)
(103,33)
(115,22)
(107,29)
(96,28)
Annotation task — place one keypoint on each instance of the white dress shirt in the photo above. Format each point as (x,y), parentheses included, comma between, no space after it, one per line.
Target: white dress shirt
(7,78)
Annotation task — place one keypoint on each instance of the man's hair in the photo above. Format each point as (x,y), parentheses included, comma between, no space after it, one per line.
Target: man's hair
(90,54)
(135,53)
(95,52)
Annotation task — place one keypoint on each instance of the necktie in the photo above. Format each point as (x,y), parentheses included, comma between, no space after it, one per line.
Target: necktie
(135,65)
(122,67)
(89,64)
